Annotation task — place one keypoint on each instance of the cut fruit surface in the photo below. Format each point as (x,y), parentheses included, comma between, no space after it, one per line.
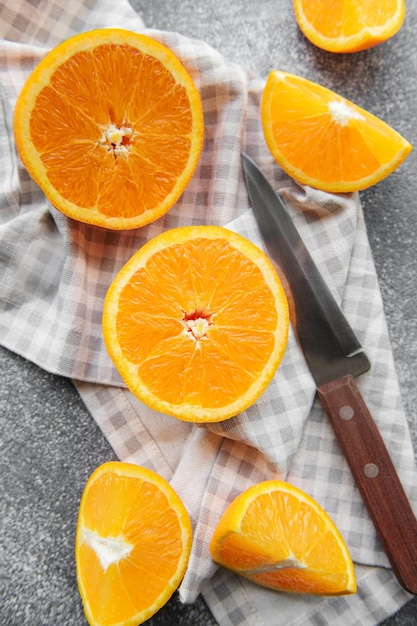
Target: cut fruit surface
(277,536)
(132,544)
(325,141)
(197,323)
(349,25)
(110,125)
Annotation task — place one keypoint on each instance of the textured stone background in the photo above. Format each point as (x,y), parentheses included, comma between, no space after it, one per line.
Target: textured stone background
(50,445)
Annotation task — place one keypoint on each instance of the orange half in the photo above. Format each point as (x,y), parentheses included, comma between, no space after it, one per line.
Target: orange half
(197,323)
(110,125)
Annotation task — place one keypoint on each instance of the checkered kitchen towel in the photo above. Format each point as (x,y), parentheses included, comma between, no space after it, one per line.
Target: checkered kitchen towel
(54,274)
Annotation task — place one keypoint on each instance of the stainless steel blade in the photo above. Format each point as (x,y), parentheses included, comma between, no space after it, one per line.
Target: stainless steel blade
(327,340)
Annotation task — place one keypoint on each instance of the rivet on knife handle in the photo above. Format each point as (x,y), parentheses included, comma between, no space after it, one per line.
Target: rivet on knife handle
(375,475)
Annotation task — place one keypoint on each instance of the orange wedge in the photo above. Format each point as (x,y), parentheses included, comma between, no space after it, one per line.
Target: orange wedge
(278,537)
(197,323)
(349,25)
(132,544)
(325,141)
(110,125)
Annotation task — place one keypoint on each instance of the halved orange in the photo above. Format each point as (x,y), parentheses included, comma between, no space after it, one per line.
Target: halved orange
(278,537)
(349,25)
(132,544)
(197,323)
(110,125)
(325,141)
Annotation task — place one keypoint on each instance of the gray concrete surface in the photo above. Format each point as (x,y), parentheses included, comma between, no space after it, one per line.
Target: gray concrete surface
(49,444)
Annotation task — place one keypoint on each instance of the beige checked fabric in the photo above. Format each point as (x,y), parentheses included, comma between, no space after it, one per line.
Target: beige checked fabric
(55,272)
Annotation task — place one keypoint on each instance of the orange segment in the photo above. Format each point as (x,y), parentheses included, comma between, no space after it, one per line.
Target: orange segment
(279,537)
(132,544)
(110,126)
(325,141)
(197,323)
(349,25)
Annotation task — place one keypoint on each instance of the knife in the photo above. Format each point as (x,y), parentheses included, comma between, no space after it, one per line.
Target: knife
(335,356)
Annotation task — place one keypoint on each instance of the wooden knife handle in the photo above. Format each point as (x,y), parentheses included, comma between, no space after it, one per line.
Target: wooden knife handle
(375,475)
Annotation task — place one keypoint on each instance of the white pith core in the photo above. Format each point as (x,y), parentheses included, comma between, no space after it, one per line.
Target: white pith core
(197,323)
(198,327)
(108,549)
(275,567)
(117,139)
(341,112)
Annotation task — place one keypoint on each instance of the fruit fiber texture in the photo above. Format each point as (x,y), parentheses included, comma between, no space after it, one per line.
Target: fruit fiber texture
(278,537)
(197,323)
(110,126)
(325,141)
(344,26)
(132,544)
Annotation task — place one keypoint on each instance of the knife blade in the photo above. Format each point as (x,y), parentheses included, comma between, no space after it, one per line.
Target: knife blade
(335,357)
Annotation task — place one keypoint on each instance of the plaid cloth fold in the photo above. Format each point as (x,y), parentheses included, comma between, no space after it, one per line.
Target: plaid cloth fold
(54,273)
